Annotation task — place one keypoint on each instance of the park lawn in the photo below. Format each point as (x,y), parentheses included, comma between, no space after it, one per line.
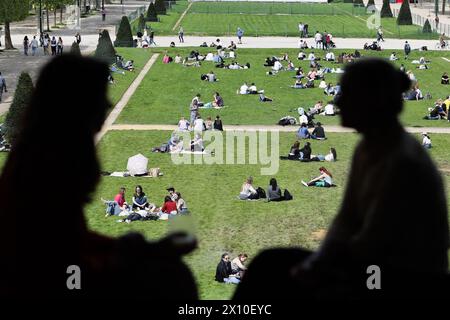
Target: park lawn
(122,82)
(165,93)
(222,223)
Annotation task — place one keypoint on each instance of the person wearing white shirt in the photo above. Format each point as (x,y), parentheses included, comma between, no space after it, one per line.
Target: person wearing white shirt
(329,110)
(329,56)
(303,119)
(197,144)
(243,89)
(199,124)
(426,141)
(322,84)
(178,59)
(311,56)
(252,89)
(318,39)
(277,66)
(209,56)
(183,124)
(393,57)
(301,55)
(248,192)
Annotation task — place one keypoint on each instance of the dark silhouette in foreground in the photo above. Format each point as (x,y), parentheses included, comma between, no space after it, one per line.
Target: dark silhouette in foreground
(48,178)
(393,215)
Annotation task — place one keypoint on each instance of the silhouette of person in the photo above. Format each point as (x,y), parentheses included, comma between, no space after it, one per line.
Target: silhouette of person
(48,178)
(393,215)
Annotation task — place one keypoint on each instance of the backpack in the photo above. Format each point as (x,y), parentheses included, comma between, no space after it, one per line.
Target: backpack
(261,193)
(287,195)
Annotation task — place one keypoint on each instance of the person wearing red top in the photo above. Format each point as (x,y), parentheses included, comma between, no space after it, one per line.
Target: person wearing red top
(169,205)
(120,198)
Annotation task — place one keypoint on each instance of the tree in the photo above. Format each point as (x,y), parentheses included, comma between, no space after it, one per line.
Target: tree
(151,13)
(10,11)
(443,7)
(22,96)
(426,27)
(141,23)
(404,15)
(105,50)
(124,36)
(386,11)
(358,3)
(75,49)
(160,7)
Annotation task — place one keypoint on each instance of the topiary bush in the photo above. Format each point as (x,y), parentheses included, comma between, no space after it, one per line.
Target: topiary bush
(22,96)
(386,11)
(160,7)
(75,49)
(124,37)
(404,15)
(426,27)
(141,24)
(105,50)
(151,13)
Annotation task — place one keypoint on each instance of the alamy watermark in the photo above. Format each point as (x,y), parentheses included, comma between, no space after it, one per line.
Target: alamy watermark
(228,147)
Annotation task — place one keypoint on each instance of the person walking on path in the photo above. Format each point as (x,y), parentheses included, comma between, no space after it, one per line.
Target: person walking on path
(53,44)
(60,46)
(2,86)
(26,45)
(239,34)
(181,34)
(407,49)
(78,38)
(34,45)
(103,14)
(152,38)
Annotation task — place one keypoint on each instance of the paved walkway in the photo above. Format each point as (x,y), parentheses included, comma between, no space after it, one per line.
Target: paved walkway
(338,129)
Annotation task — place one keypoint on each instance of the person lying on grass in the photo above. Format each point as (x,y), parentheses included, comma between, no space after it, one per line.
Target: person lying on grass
(224,273)
(217,103)
(263,98)
(324,180)
(331,156)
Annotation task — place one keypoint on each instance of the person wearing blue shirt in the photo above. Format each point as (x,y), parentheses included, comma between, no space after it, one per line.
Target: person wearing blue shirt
(303,132)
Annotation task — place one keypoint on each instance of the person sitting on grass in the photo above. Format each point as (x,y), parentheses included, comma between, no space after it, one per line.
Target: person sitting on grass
(181,204)
(211,77)
(329,90)
(415,94)
(274,191)
(312,74)
(167,58)
(318,132)
(248,192)
(183,124)
(218,124)
(317,108)
(218,101)
(178,58)
(277,66)
(169,208)
(305,152)
(301,55)
(252,89)
(140,201)
(290,66)
(263,98)
(243,89)
(331,156)
(129,65)
(393,57)
(299,73)
(329,109)
(437,112)
(294,152)
(118,206)
(324,180)
(270,62)
(238,265)
(224,274)
(208,123)
(330,56)
(444,78)
(298,84)
(197,143)
(426,140)
(303,132)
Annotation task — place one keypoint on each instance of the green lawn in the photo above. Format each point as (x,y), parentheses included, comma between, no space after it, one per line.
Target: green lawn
(165,93)
(223,223)
(277,19)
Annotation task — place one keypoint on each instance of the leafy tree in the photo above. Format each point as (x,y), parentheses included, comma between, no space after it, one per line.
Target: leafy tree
(22,96)
(151,13)
(10,11)
(124,36)
(404,15)
(386,11)
(105,50)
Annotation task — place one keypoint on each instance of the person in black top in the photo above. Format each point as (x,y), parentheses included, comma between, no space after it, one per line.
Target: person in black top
(218,124)
(224,272)
(305,152)
(444,78)
(318,132)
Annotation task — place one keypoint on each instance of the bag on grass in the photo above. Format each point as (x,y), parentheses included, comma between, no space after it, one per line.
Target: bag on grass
(154,172)
(261,193)
(287,195)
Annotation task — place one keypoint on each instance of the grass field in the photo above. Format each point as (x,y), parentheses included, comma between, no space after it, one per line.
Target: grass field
(280,19)
(165,93)
(223,223)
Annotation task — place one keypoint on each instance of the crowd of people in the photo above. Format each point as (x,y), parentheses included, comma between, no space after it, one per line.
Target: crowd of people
(50,45)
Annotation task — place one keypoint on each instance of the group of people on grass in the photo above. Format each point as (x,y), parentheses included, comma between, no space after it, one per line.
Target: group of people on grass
(231,271)
(141,209)
(272,193)
(305,154)
(440,110)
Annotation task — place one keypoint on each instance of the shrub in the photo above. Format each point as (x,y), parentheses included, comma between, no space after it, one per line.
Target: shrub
(22,96)
(105,50)
(426,27)
(160,7)
(151,13)
(141,24)
(386,11)
(404,15)
(124,36)
(75,49)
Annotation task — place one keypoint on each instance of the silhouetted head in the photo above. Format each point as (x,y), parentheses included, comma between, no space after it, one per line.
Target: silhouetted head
(371,85)
(273,183)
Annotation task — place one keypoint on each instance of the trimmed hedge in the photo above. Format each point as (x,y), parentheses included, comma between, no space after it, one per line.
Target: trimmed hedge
(13,121)
(160,7)
(426,27)
(75,49)
(151,13)
(386,11)
(105,50)
(124,37)
(404,15)
(141,24)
